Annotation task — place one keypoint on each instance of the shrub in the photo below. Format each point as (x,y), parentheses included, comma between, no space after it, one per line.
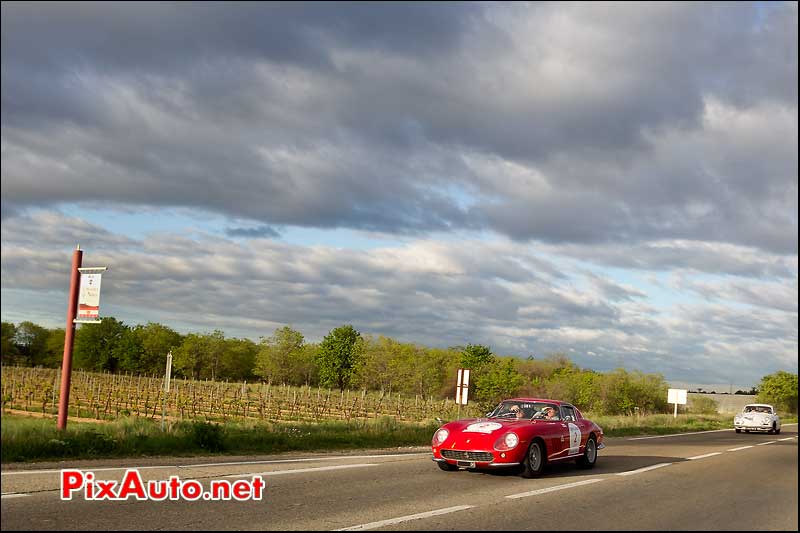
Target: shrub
(703,405)
(208,436)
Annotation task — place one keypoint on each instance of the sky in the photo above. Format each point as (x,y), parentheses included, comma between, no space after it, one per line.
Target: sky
(617,182)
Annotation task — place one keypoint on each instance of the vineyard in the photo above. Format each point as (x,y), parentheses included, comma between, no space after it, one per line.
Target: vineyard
(106,396)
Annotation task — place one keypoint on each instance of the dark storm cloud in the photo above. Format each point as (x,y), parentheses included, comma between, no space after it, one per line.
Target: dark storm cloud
(145,36)
(257,232)
(563,123)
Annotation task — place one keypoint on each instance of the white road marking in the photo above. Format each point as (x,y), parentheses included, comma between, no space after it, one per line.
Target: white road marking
(739,448)
(787,438)
(11,495)
(704,456)
(302,470)
(551,489)
(679,434)
(23,472)
(338,458)
(693,433)
(645,469)
(207,465)
(392,521)
(768,442)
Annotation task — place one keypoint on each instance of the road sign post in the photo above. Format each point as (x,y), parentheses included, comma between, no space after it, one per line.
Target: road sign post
(82,307)
(676,396)
(69,339)
(462,388)
(167,377)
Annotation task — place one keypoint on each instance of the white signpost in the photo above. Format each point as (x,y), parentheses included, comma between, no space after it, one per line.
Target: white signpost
(167,377)
(676,396)
(462,388)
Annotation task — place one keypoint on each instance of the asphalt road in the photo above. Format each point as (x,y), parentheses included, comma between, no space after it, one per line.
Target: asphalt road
(706,481)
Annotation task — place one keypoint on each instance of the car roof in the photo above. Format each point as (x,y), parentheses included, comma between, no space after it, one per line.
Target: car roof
(758,405)
(543,400)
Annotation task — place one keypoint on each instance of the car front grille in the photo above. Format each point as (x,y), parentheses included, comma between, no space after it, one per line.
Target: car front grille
(467,456)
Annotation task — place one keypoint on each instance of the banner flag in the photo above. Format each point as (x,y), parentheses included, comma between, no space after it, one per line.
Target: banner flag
(89,297)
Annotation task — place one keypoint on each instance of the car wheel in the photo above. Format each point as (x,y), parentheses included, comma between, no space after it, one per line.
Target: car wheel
(747,431)
(447,467)
(589,457)
(772,430)
(534,460)
(778,431)
(738,430)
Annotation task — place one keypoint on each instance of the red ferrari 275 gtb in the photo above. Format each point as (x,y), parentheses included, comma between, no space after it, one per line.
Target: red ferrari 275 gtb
(526,433)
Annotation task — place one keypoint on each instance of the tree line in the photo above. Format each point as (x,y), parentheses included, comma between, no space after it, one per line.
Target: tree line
(344,359)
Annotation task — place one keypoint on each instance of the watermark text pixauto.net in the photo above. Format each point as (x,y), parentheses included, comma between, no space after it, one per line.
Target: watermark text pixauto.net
(132,486)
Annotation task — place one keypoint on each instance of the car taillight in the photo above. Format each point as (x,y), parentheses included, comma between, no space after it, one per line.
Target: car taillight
(506,442)
(440,436)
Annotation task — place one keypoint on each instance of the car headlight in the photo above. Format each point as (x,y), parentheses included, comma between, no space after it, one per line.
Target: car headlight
(440,436)
(507,442)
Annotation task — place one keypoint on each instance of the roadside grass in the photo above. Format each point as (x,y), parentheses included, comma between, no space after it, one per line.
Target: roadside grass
(29,439)
(664,424)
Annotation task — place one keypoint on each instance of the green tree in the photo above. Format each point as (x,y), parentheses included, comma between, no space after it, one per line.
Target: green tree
(375,372)
(278,356)
(31,340)
(238,360)
(476,356)
(54,348)
(98,347)
(8,350)
(128,353)
(216,353)
(306,364)
(190,359)
(497,381)
(780,390)
(339,356)
(156,341)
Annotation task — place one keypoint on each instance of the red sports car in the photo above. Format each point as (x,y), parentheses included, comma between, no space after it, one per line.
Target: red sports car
(524,432)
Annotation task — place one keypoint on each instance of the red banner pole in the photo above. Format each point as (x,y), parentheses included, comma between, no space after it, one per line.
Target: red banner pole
(69,338)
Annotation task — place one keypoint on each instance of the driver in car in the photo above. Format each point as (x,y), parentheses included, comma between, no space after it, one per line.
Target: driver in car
(551,413)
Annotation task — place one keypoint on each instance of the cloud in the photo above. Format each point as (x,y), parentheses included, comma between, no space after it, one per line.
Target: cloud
(508,296)
(518,153)
(557,123)
(252,233)
(679,255)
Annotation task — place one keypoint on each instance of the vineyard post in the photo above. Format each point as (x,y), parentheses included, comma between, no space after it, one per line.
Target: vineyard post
(69,337)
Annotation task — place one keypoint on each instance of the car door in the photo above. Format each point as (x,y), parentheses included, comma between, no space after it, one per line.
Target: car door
(574,430)
(557,437)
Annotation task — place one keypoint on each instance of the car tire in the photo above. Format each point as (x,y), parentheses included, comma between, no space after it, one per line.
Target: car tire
(535,459)
(771,430)
(738,430)
(447,467)
(589,457)
(778,431)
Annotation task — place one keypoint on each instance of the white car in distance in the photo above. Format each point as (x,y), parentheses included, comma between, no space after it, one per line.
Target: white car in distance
(757,417)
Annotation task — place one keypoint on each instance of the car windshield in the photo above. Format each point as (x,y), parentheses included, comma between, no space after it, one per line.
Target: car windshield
(756,409)
(510,409)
